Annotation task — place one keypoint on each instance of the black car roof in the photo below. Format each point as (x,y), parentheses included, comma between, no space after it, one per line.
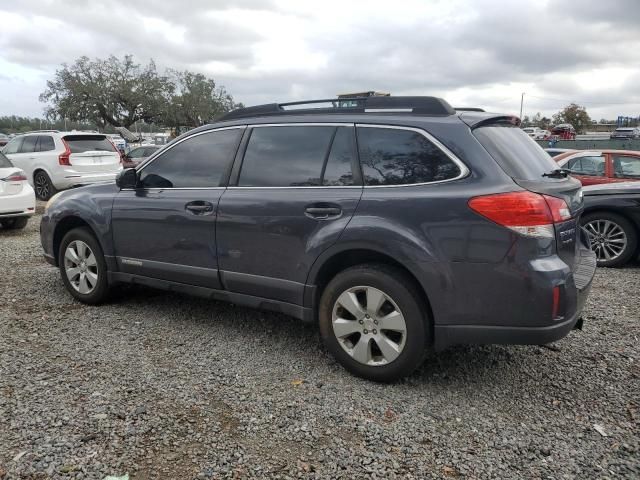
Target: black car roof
(622,188)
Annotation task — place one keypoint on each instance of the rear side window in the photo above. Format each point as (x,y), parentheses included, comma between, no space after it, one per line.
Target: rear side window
(587,165)
(4,162)
(338,171)
(197,162)
(89,143)
(391,156)
(285,156)
(518,155)
(29,144)
(625,166)
(46,143)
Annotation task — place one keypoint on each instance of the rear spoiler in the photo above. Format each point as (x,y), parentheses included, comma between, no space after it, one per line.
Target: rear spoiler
(481,119)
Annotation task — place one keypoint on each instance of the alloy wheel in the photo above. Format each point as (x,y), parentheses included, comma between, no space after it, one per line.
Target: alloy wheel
(42,186)
(81,267)
(369,326)
(608,239)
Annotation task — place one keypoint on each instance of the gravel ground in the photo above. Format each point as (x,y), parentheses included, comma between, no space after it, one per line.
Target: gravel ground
(165,386)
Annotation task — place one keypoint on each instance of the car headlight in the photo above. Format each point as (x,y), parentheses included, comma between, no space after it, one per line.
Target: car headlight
(52,200)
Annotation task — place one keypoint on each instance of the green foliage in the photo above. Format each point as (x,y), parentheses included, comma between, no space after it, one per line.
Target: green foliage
(121,92)
(575,115)
(15,124)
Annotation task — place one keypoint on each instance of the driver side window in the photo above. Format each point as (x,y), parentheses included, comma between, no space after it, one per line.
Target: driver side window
(13,146)
(588,165)
(199,161)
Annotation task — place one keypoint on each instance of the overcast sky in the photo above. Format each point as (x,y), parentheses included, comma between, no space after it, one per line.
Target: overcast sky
(471,52)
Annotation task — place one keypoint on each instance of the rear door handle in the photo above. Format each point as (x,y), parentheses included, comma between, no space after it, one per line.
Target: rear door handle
(199,207)
(322,213)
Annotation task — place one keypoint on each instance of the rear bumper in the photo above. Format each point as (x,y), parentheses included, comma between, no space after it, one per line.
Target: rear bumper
(70,178)
(22,204)
(447,335)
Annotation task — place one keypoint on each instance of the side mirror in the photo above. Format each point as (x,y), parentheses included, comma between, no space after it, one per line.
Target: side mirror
(127,178)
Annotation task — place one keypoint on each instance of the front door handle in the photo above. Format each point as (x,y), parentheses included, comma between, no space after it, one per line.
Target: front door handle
(199,207)
(323,213)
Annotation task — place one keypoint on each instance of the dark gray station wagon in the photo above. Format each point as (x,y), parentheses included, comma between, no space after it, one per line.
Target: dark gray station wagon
(397,223)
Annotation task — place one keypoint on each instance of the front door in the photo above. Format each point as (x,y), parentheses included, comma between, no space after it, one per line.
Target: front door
(165,228)
(295,193)
(589,168)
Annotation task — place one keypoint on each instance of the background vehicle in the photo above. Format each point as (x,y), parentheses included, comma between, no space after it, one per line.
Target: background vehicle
(55,160)
(625,133)
(17,200)
(137,155)
(553,152)
(4,139)
(537,133)
(612,220)
(359,218)
(593,167)
(564,131)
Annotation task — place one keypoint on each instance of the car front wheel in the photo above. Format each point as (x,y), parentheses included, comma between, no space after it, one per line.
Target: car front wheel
(82,266)
(373,321)
(613,238)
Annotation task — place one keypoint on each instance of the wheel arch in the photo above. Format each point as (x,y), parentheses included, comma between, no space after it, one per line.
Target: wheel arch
(66,225)
(333,262)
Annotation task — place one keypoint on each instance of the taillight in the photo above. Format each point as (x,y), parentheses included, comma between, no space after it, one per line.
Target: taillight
(18,176)
(63,158)
(530,214)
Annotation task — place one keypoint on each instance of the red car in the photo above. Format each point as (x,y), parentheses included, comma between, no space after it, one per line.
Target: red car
(592,167)
(564,131)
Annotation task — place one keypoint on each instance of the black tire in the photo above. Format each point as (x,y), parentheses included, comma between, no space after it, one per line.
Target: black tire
(625,225)
(42,185)
(402,290)
(100,291)
(16,223)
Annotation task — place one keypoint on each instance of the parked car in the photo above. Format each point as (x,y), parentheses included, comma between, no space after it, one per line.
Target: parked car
(138,155)
(553,152)
(55,160)
(435,228)
(564,131)
(17,199)
(626,133)
(4,139)
(537,133)
(612,221)
(592,167)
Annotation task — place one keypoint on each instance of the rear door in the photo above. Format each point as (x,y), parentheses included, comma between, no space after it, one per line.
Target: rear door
(92,153)
(165,228)
(294,191)
(624,168)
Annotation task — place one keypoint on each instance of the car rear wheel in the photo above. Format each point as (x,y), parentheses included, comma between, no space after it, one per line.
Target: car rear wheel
(14,223)
(373,321)
(42,185)
(82,266)
(613,238)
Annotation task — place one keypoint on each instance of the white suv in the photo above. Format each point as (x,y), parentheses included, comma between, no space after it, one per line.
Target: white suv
(55,160)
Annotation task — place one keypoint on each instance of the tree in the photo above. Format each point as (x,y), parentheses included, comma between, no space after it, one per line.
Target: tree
(112,91)
(575,115)
(196,100)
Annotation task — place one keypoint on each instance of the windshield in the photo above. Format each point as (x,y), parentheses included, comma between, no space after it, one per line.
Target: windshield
(89,143)
(518,155)
(4,161)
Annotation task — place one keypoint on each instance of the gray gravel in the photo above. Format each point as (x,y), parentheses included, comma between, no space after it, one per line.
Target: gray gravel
(165,386)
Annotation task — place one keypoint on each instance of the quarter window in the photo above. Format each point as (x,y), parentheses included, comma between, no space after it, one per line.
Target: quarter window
(197,162)
(587,165)
(285,156)
(625,166)
(400,157)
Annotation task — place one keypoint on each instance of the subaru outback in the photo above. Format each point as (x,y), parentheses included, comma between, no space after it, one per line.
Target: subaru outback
(397,224)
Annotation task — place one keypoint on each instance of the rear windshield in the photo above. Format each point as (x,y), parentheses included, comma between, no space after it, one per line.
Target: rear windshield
(518,155)
(4,162)
(89,143)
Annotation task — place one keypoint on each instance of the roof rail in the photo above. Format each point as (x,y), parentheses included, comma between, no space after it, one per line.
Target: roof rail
(39,131)
(469,109)
(376,104)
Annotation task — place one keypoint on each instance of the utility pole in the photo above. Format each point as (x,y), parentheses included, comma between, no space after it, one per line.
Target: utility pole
(521,104)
